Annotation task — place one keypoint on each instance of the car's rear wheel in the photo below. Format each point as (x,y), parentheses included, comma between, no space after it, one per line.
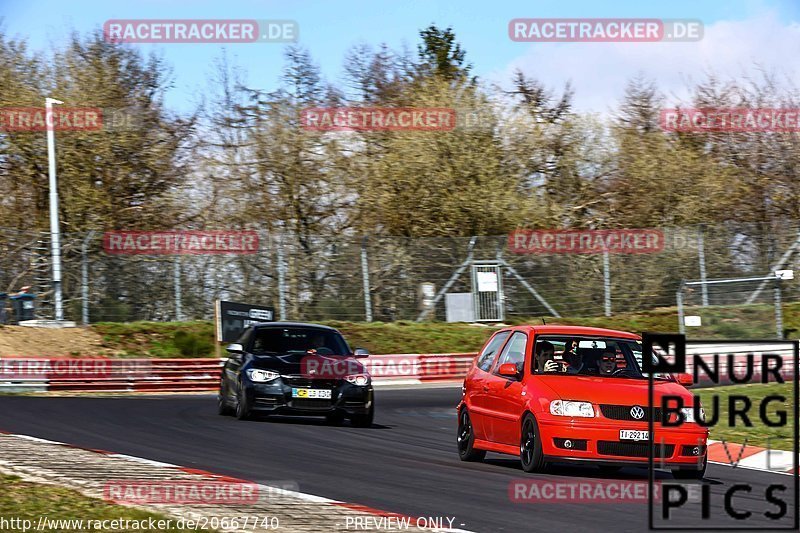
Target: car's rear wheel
(466,439)
(530,448)
(243,407)
(365,420)
(691,473)
(223,408)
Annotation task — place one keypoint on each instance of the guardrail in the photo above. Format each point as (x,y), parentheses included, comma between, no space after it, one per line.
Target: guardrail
(186,375)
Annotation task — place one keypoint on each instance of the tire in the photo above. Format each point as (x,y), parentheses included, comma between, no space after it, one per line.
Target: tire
(365,420)
(465,439)
(243,407)
(530,447)
(691,474)
(334,419)
(223,408)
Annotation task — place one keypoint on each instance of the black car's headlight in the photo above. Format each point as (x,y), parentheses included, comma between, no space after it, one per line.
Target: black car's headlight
(358,379)
(257,375)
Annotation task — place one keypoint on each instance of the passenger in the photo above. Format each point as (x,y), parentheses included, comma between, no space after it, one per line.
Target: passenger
(545,357)
(573,360)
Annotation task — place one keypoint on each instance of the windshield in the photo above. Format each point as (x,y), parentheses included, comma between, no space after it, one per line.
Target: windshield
(271,341)
(588,356)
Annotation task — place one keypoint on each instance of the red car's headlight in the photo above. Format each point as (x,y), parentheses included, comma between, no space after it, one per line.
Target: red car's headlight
(569,408)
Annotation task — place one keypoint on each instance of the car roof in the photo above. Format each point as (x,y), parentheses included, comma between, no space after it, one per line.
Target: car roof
(579,330)
(264,325)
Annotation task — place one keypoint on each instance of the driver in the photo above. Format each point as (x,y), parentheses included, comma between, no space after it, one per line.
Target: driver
(608,362)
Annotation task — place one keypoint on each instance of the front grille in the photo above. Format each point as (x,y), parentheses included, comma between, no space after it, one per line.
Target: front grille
(306,382)
(308,403)
(623,412)
(633,449)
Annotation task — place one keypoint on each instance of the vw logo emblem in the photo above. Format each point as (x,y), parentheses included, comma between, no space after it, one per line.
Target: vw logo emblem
(637,412)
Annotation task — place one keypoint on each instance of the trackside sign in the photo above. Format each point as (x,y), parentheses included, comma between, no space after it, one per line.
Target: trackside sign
(615,241)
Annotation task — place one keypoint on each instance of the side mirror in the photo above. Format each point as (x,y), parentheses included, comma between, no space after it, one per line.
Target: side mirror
(508,370)
(235,348)
(361,352)
(684,379)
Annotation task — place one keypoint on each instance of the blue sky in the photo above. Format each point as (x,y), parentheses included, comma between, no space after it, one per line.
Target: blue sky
(739,34)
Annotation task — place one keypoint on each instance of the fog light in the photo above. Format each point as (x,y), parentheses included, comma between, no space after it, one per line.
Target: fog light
(567,443)
(696,450)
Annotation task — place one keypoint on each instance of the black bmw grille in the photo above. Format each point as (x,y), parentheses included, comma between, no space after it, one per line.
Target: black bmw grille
(303,381)
(633,449)
(623,412)
(311,403)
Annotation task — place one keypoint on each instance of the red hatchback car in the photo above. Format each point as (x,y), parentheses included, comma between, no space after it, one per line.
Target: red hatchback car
(574,394)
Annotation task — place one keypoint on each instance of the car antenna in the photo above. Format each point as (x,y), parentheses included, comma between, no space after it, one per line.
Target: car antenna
(543,322)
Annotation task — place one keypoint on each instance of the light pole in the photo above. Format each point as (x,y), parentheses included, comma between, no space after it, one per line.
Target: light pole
(55,232)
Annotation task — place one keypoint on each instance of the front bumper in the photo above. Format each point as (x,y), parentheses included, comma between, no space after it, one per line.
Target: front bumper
(597,441)
(275,397)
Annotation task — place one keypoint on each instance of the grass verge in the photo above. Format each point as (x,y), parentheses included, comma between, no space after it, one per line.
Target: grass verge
(196,338)
(30,501)
(760,434)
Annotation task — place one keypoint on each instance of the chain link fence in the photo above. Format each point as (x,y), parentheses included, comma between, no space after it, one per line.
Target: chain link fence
(379,278)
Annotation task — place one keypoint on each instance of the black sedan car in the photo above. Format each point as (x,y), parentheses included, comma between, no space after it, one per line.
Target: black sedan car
(289,368)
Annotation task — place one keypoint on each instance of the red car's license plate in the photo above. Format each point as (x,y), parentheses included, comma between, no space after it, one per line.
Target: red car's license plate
(633,434)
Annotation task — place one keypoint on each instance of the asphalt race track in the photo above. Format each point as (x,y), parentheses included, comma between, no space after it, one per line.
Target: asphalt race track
(406,463)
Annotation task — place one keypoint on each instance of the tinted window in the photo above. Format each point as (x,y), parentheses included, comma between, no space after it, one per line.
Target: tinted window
(486,358)
(591,356)
(244,338)
(514,352)
(298,340)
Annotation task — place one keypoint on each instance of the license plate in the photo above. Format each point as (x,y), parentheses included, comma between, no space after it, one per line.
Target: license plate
(321,394)
(633,434)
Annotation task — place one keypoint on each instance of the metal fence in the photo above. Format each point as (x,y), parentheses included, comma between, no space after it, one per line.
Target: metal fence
(348,277)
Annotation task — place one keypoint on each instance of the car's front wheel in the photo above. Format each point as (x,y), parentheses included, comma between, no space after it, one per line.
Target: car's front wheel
(693,473)
(223,408)
(365,420)
(530,447)
(466,439)
(243,407)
